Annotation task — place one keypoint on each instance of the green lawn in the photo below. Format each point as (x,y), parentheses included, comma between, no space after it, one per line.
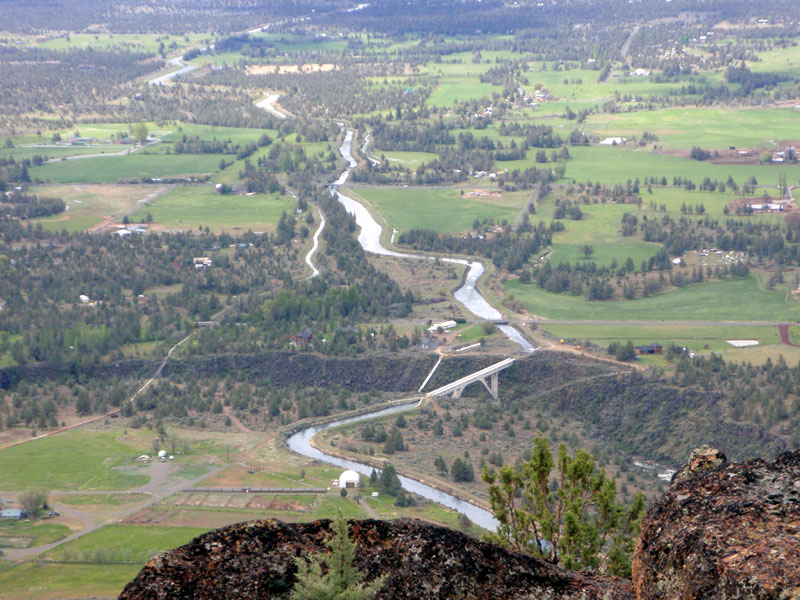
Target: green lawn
(133,166)
(736,300)
(604,254)
(455,88)
(443,210)
(74,460)
(186,207)
(40,581)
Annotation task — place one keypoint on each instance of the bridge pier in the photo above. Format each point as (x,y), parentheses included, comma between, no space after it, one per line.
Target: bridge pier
(490,383)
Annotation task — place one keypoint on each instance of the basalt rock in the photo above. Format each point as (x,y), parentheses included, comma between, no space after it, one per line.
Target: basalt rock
(724,531)
(421,561)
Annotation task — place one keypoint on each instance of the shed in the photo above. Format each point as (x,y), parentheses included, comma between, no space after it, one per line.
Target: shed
(349,479)
(649,349)
(13,513)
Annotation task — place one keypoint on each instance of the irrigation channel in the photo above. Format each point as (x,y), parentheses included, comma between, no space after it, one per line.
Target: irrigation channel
(300,442)
(467,294)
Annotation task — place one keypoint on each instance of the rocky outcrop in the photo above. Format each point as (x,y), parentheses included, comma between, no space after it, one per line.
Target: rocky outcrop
(724,531)
(421,562)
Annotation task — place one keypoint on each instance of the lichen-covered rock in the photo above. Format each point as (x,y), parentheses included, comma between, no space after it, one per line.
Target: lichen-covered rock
(421,561)
(728,531)
(700,459)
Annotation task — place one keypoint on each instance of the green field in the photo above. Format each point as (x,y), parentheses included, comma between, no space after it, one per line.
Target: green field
(710,128)
(39,581)
(694,337)
(91,457)
(187,207)
(734,300)
(109,169)
(136,543)
(442,209)
(29,534)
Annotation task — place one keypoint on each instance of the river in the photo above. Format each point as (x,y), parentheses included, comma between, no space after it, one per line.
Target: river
(300,442)
(370,239)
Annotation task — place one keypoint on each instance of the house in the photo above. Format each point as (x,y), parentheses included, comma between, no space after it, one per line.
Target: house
(13,513)
(304,336)
(201,262)
(649,349)
(349,479)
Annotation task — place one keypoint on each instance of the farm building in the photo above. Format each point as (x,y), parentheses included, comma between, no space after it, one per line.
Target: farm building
(13,513)
(444,325)
(649,349)
(349,479)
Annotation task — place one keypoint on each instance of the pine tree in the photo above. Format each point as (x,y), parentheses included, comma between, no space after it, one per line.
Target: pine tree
(331,575)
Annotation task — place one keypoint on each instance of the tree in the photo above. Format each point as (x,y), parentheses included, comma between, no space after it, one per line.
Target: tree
(587,251)
(33,502)
(388,481)
(573,520)
(331,575)
(140,132)
(394,443)
(461,470)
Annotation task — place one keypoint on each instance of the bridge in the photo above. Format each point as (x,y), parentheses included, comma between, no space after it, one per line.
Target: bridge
(487,376)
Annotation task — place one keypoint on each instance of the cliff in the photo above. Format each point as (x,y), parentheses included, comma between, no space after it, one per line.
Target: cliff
(422,562)
(724,531)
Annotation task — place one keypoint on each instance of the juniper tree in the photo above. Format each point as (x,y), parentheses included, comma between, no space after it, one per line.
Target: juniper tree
(332,575)
(573,520)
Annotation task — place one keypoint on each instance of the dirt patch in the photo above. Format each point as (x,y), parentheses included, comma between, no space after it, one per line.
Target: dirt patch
(286,69)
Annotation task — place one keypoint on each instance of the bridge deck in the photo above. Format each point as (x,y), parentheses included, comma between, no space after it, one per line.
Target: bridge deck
(476,376)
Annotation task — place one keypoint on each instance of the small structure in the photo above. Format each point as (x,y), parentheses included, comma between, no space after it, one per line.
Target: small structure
(349,479)
(304,336)
(444,325)
(84,299)
(201,262)
(143,458)
(649,349)
(13,513)
(613,141)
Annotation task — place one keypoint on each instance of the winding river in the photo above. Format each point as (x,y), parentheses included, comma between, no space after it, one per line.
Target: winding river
(300,442)
(467,294)
(370,240)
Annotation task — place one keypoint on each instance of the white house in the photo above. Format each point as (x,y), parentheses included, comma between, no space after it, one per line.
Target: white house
(444,325)
(349,479)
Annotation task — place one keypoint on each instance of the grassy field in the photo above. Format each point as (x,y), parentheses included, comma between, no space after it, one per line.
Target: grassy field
(443,210)
(91,456)
(693,337)
(186,207)
(408,159)
(30,533)
(139,541)
(710,128)
(89,205)
(141,165)
(735,300)
(139,42)
(45,581)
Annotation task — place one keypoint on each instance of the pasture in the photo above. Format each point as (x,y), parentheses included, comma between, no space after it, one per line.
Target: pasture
(187,207)
(90,205)
(94,459)
(709,128)
(729,300)
(140,165)
(444,210)
(50,581)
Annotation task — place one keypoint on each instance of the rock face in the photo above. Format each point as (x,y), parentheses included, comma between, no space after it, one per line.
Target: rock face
(422,561)
(724,531)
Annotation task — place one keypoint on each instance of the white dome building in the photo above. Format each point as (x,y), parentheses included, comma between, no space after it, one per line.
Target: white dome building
(349,479)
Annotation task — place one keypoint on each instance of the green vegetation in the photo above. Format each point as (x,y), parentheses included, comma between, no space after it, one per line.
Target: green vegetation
(124,543)
(137,166)
(94,462)
(29,534)
(579,524)
(332,576)
(731,300)
(41,580)
(443,210)
(187,207)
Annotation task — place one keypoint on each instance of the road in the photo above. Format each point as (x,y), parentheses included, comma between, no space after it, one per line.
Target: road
(160,486)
